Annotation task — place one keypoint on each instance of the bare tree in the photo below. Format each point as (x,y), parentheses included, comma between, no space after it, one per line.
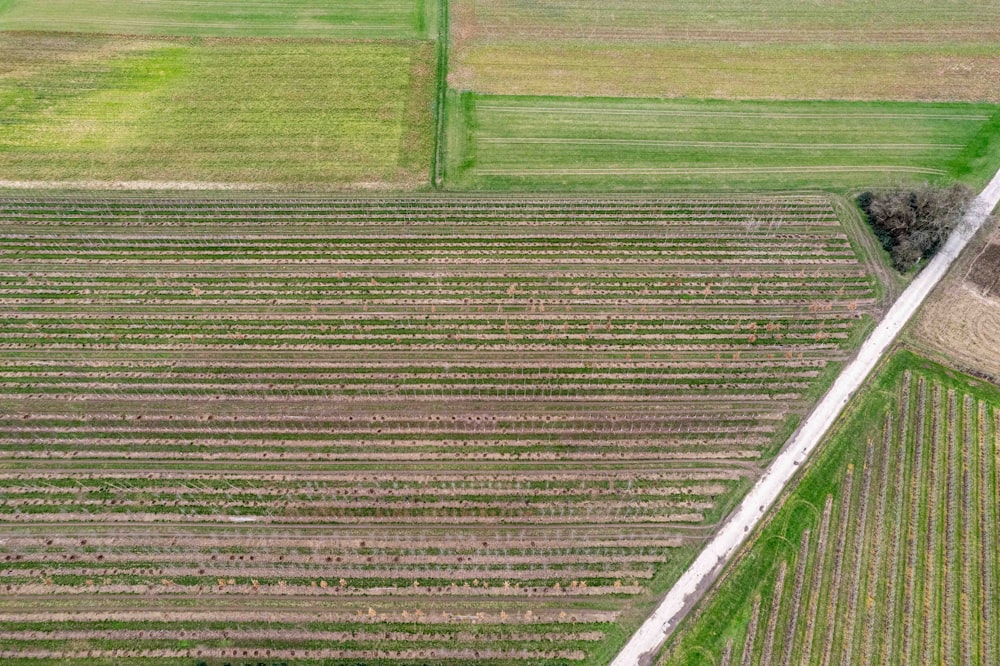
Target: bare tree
(913,223)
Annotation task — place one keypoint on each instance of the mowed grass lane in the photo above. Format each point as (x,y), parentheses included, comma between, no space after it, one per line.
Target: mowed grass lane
(107,111)
(354,19)
(925,50)
(885,552)
(558,143)
(443,430)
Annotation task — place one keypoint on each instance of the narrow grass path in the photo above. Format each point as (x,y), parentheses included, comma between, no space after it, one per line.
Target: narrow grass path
(441,96)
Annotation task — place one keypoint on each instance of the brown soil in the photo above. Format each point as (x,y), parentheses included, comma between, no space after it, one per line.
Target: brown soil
(961,321)
(985,271)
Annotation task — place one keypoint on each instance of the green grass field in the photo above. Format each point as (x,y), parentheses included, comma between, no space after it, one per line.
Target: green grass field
(511,143)
(885,551)
(283,114)
(885,49)
(378,19)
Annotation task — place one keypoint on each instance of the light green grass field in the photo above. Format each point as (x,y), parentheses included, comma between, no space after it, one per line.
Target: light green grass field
(499,143)
(799,49)
(379,19)
(288,114)
(885,551)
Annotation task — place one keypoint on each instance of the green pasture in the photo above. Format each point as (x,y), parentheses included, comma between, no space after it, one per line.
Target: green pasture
(560,143)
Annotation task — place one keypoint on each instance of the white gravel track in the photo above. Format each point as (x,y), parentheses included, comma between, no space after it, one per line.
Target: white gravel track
(644,644)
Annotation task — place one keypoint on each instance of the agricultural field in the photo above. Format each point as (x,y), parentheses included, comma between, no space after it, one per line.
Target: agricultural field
(885,551)
(353,19)
(113,111)
(961,321)
(172,94)
(562,143)
(904,50)
(392,430)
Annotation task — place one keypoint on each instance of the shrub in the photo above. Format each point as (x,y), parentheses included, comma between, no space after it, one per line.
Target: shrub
(912,224)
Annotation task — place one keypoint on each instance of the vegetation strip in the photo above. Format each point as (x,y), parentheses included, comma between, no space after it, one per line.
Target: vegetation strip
(557,143)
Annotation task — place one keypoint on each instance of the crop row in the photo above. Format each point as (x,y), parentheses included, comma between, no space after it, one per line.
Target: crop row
(404,419)
(912,552)
(368,211)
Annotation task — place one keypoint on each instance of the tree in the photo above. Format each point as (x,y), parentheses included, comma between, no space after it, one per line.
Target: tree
(913,224)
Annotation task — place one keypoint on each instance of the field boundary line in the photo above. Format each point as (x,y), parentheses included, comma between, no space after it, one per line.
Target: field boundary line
(126,185)
(607,111)
(643,646)
(441,94)
(711,144)
(222,26)
(639,171)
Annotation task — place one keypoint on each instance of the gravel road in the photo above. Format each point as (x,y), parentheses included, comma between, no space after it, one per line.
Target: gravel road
(644,644)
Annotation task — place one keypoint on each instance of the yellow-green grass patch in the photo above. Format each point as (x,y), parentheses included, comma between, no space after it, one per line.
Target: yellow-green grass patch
(306,114)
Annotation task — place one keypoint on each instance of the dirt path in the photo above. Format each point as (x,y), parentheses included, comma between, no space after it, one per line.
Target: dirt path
(169,185)
(121,185)
(871,251)
(644,644)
